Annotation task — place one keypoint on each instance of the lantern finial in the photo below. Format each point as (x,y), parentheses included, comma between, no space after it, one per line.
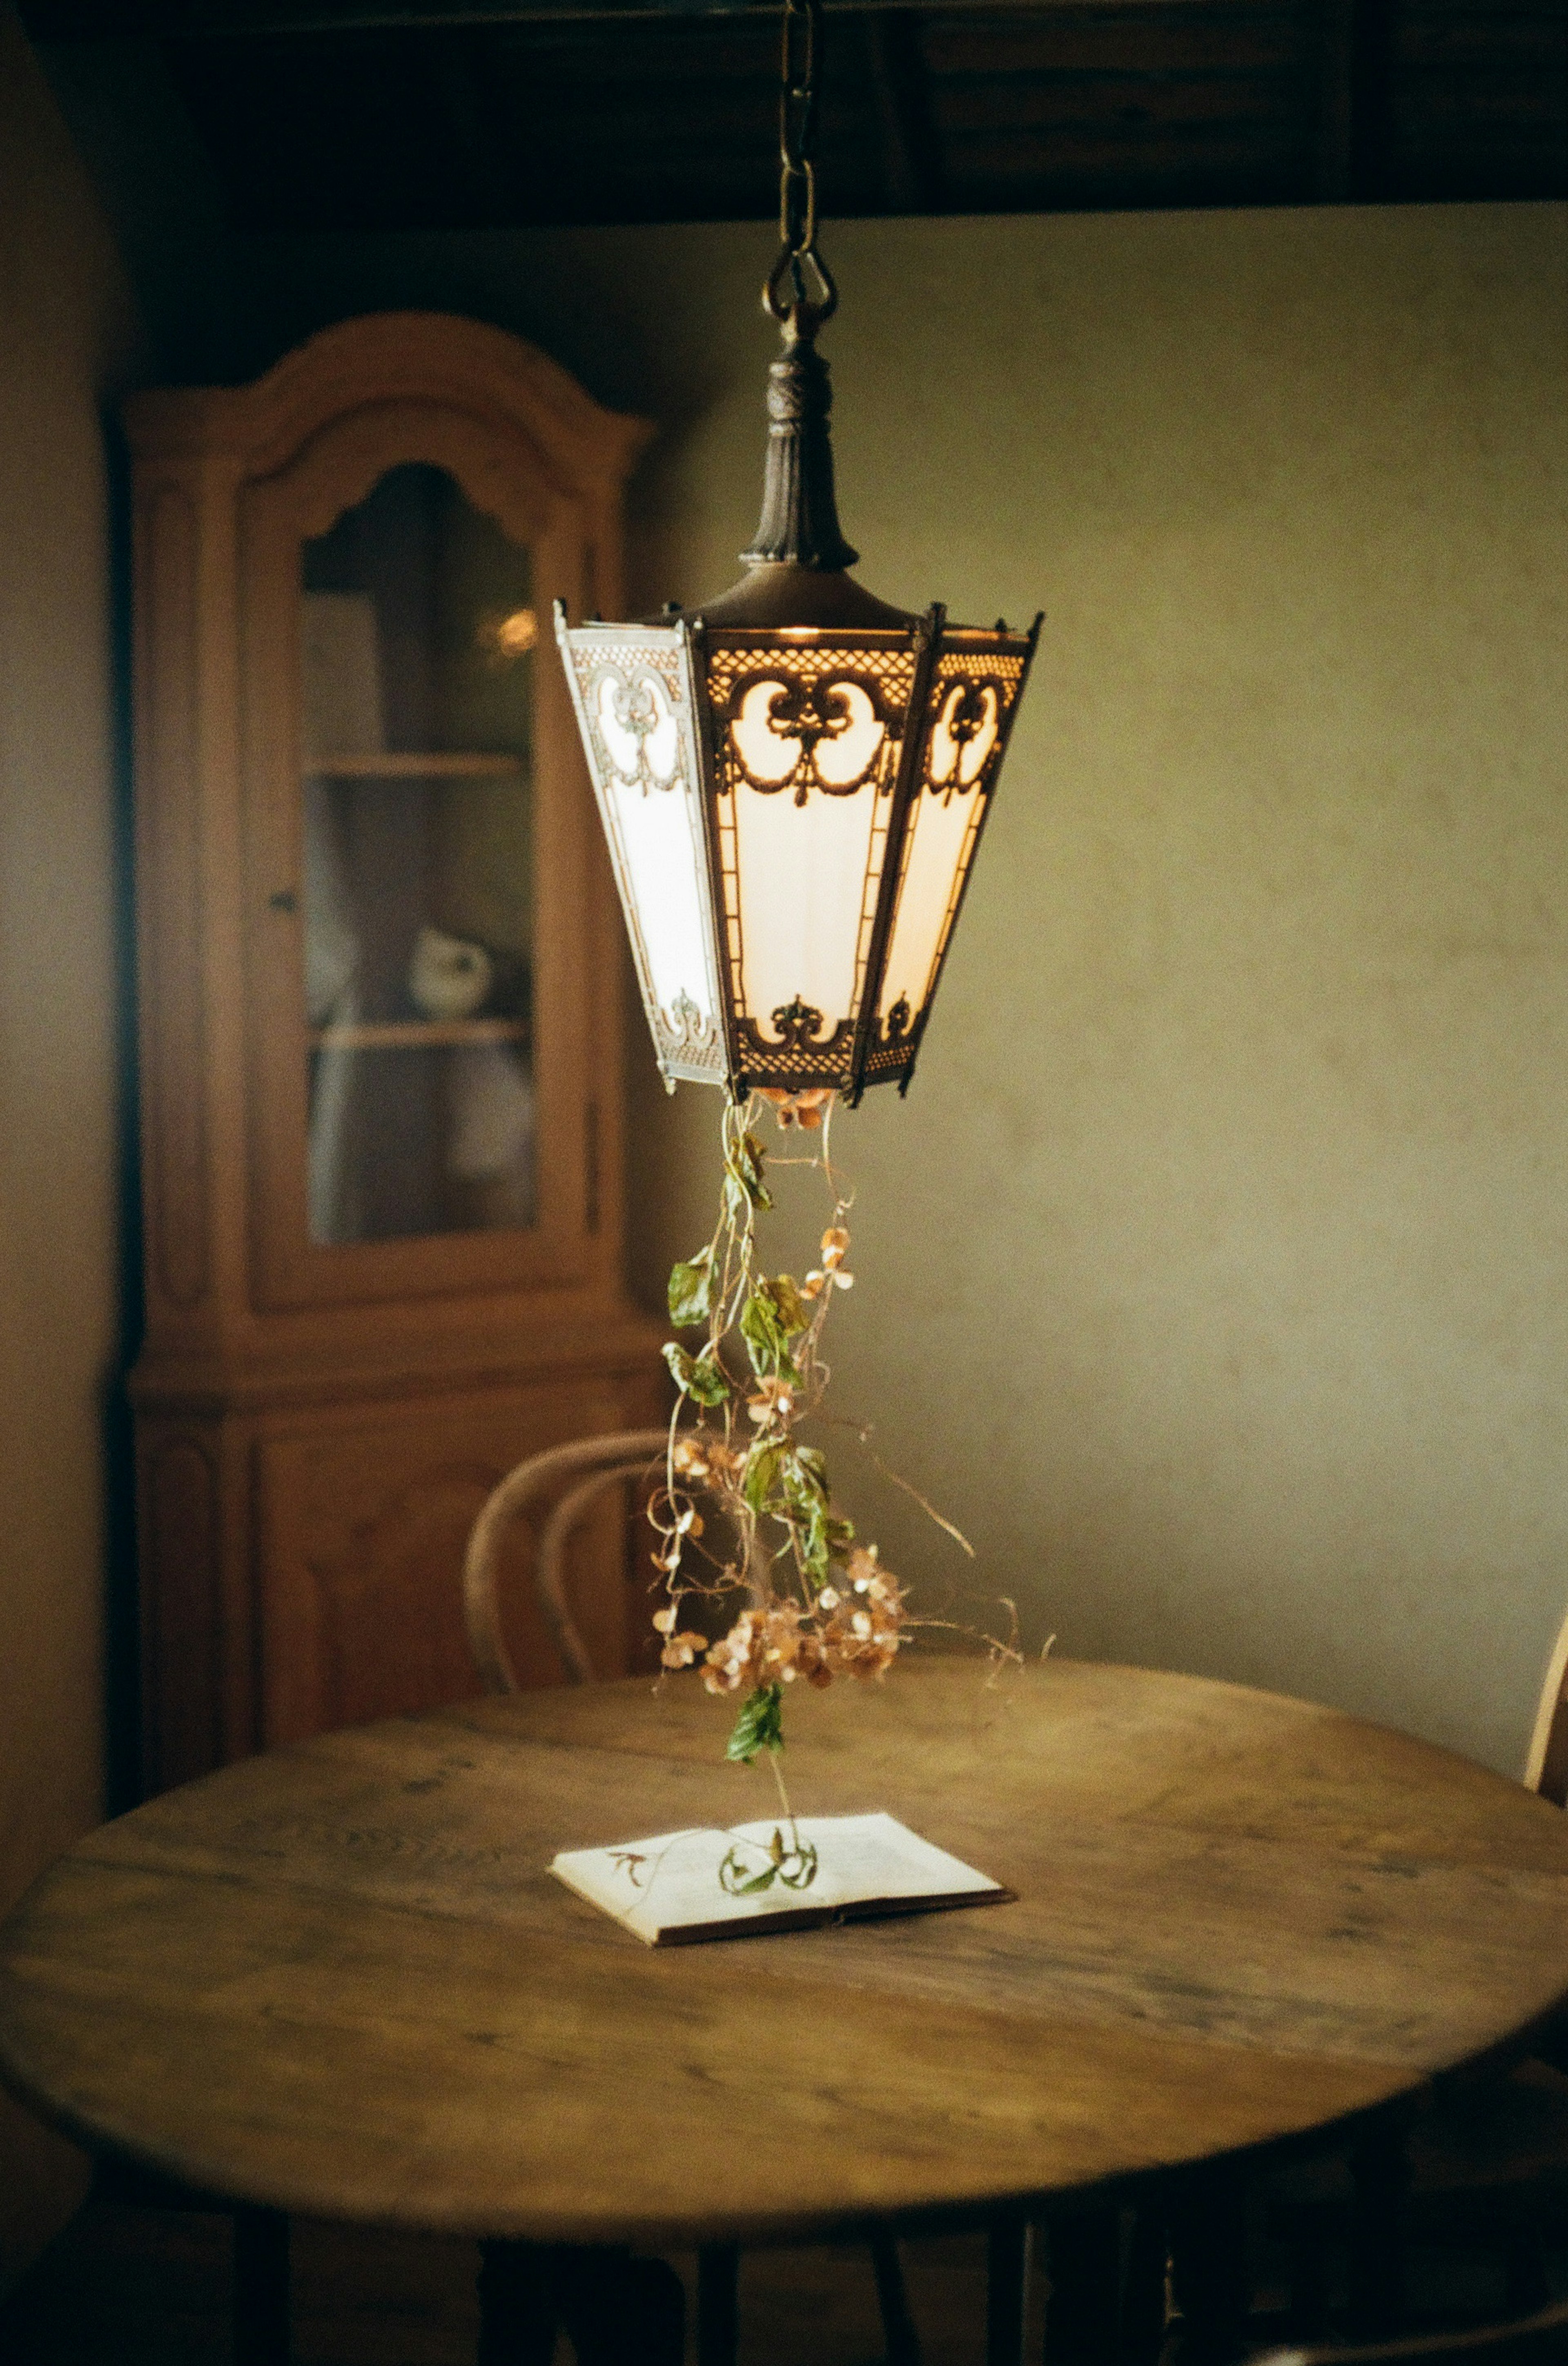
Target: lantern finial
(799,526)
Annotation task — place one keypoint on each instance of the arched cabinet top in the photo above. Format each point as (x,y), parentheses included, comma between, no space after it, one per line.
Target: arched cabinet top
(509,477)
(384,358)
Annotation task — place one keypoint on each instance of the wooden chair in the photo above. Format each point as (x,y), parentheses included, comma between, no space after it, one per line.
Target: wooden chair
(572,1480)
(596,1465)
(1546,1767)
(1540,2340)
(1470,2166)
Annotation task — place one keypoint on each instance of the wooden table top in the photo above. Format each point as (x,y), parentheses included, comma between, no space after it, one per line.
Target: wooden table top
(339,1979)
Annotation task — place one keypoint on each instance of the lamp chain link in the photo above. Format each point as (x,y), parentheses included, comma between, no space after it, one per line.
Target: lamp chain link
(784,294)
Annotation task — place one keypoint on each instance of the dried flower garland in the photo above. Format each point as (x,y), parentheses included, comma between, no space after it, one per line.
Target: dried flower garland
(818,1602)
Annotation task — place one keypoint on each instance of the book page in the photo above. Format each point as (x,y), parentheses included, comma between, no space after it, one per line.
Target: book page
(670,1888)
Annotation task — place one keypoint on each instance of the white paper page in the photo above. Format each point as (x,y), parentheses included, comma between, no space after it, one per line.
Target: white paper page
(671,1882)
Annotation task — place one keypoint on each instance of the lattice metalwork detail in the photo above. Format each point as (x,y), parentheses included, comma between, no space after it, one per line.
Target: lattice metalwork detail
(890,665)
(793,1067)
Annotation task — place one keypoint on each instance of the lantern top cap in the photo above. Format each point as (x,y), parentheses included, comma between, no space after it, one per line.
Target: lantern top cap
(778,594)
(797,558)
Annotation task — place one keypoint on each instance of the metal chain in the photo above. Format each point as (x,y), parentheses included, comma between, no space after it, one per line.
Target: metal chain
(799,56)
(797,124)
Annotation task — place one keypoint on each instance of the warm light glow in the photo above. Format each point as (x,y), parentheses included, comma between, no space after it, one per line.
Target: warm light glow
(801,903)
(803,853)
(505,639)
(935,852)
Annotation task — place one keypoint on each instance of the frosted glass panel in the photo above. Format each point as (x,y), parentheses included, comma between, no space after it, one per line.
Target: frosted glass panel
(803,872)
(936,856)
(417,654)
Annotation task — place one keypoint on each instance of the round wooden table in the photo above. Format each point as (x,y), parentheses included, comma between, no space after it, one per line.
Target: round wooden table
(339,1981)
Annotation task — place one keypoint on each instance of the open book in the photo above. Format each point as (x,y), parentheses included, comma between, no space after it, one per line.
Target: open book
(705,1883)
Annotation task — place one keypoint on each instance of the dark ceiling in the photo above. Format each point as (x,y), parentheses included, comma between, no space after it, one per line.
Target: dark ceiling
(348,115)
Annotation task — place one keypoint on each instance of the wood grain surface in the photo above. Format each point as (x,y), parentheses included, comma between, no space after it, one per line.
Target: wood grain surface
(340,1979)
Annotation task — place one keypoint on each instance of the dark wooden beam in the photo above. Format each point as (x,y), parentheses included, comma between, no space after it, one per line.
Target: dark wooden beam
(1373,163)
(1335,101)
(165,20)
(901,85)
(494,113)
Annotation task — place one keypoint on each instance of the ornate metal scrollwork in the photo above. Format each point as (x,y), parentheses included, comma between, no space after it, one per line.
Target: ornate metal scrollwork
(799,1025)
(637,727)
(688,1027)
(828,732)
(687,1037)
(965,734)
(896,1024)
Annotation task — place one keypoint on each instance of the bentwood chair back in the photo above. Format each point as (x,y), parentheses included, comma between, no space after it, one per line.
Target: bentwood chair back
(1546,1768)
(576,1476)
(1534,2341)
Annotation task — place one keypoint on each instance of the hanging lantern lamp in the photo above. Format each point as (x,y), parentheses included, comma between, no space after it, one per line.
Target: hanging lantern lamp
(793,777)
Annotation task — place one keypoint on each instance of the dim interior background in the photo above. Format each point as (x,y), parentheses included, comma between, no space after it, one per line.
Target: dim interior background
(1212,1278)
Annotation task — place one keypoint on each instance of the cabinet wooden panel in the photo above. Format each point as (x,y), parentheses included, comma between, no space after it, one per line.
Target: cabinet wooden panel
(362,1524)
(381,987)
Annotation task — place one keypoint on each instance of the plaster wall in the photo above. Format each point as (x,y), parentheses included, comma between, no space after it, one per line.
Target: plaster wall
(67,332)
(1213,1277)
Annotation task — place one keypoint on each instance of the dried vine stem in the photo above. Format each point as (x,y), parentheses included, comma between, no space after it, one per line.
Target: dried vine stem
(817,1602)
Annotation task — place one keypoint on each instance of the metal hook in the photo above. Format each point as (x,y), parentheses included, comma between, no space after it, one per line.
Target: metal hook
(806,314)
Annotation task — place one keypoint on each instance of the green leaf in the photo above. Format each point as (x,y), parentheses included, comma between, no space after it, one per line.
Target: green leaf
(767,1341)
(736,1882)
(811,1525)
(805,1481)
(691,1290)
(805,1491)
(706,1382)
(699,1377)
(803,1871)
(794,1311)
(759,1726)
(761,1472)
(765,1344)
(745,1167)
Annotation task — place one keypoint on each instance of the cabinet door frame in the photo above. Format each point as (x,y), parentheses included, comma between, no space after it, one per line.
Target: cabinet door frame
(507,477)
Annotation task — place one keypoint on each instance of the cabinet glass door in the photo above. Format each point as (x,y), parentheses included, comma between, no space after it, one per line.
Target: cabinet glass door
(419,645)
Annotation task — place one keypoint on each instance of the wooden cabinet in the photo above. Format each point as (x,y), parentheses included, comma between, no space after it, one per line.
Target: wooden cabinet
(380,981)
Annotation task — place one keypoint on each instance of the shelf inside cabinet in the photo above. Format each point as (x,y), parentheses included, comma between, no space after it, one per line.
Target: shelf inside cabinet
(404,765)
(416,1034)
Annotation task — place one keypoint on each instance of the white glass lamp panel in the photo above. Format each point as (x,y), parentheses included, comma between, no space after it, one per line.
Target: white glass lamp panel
(801,893)
(663,865)
(941,839)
